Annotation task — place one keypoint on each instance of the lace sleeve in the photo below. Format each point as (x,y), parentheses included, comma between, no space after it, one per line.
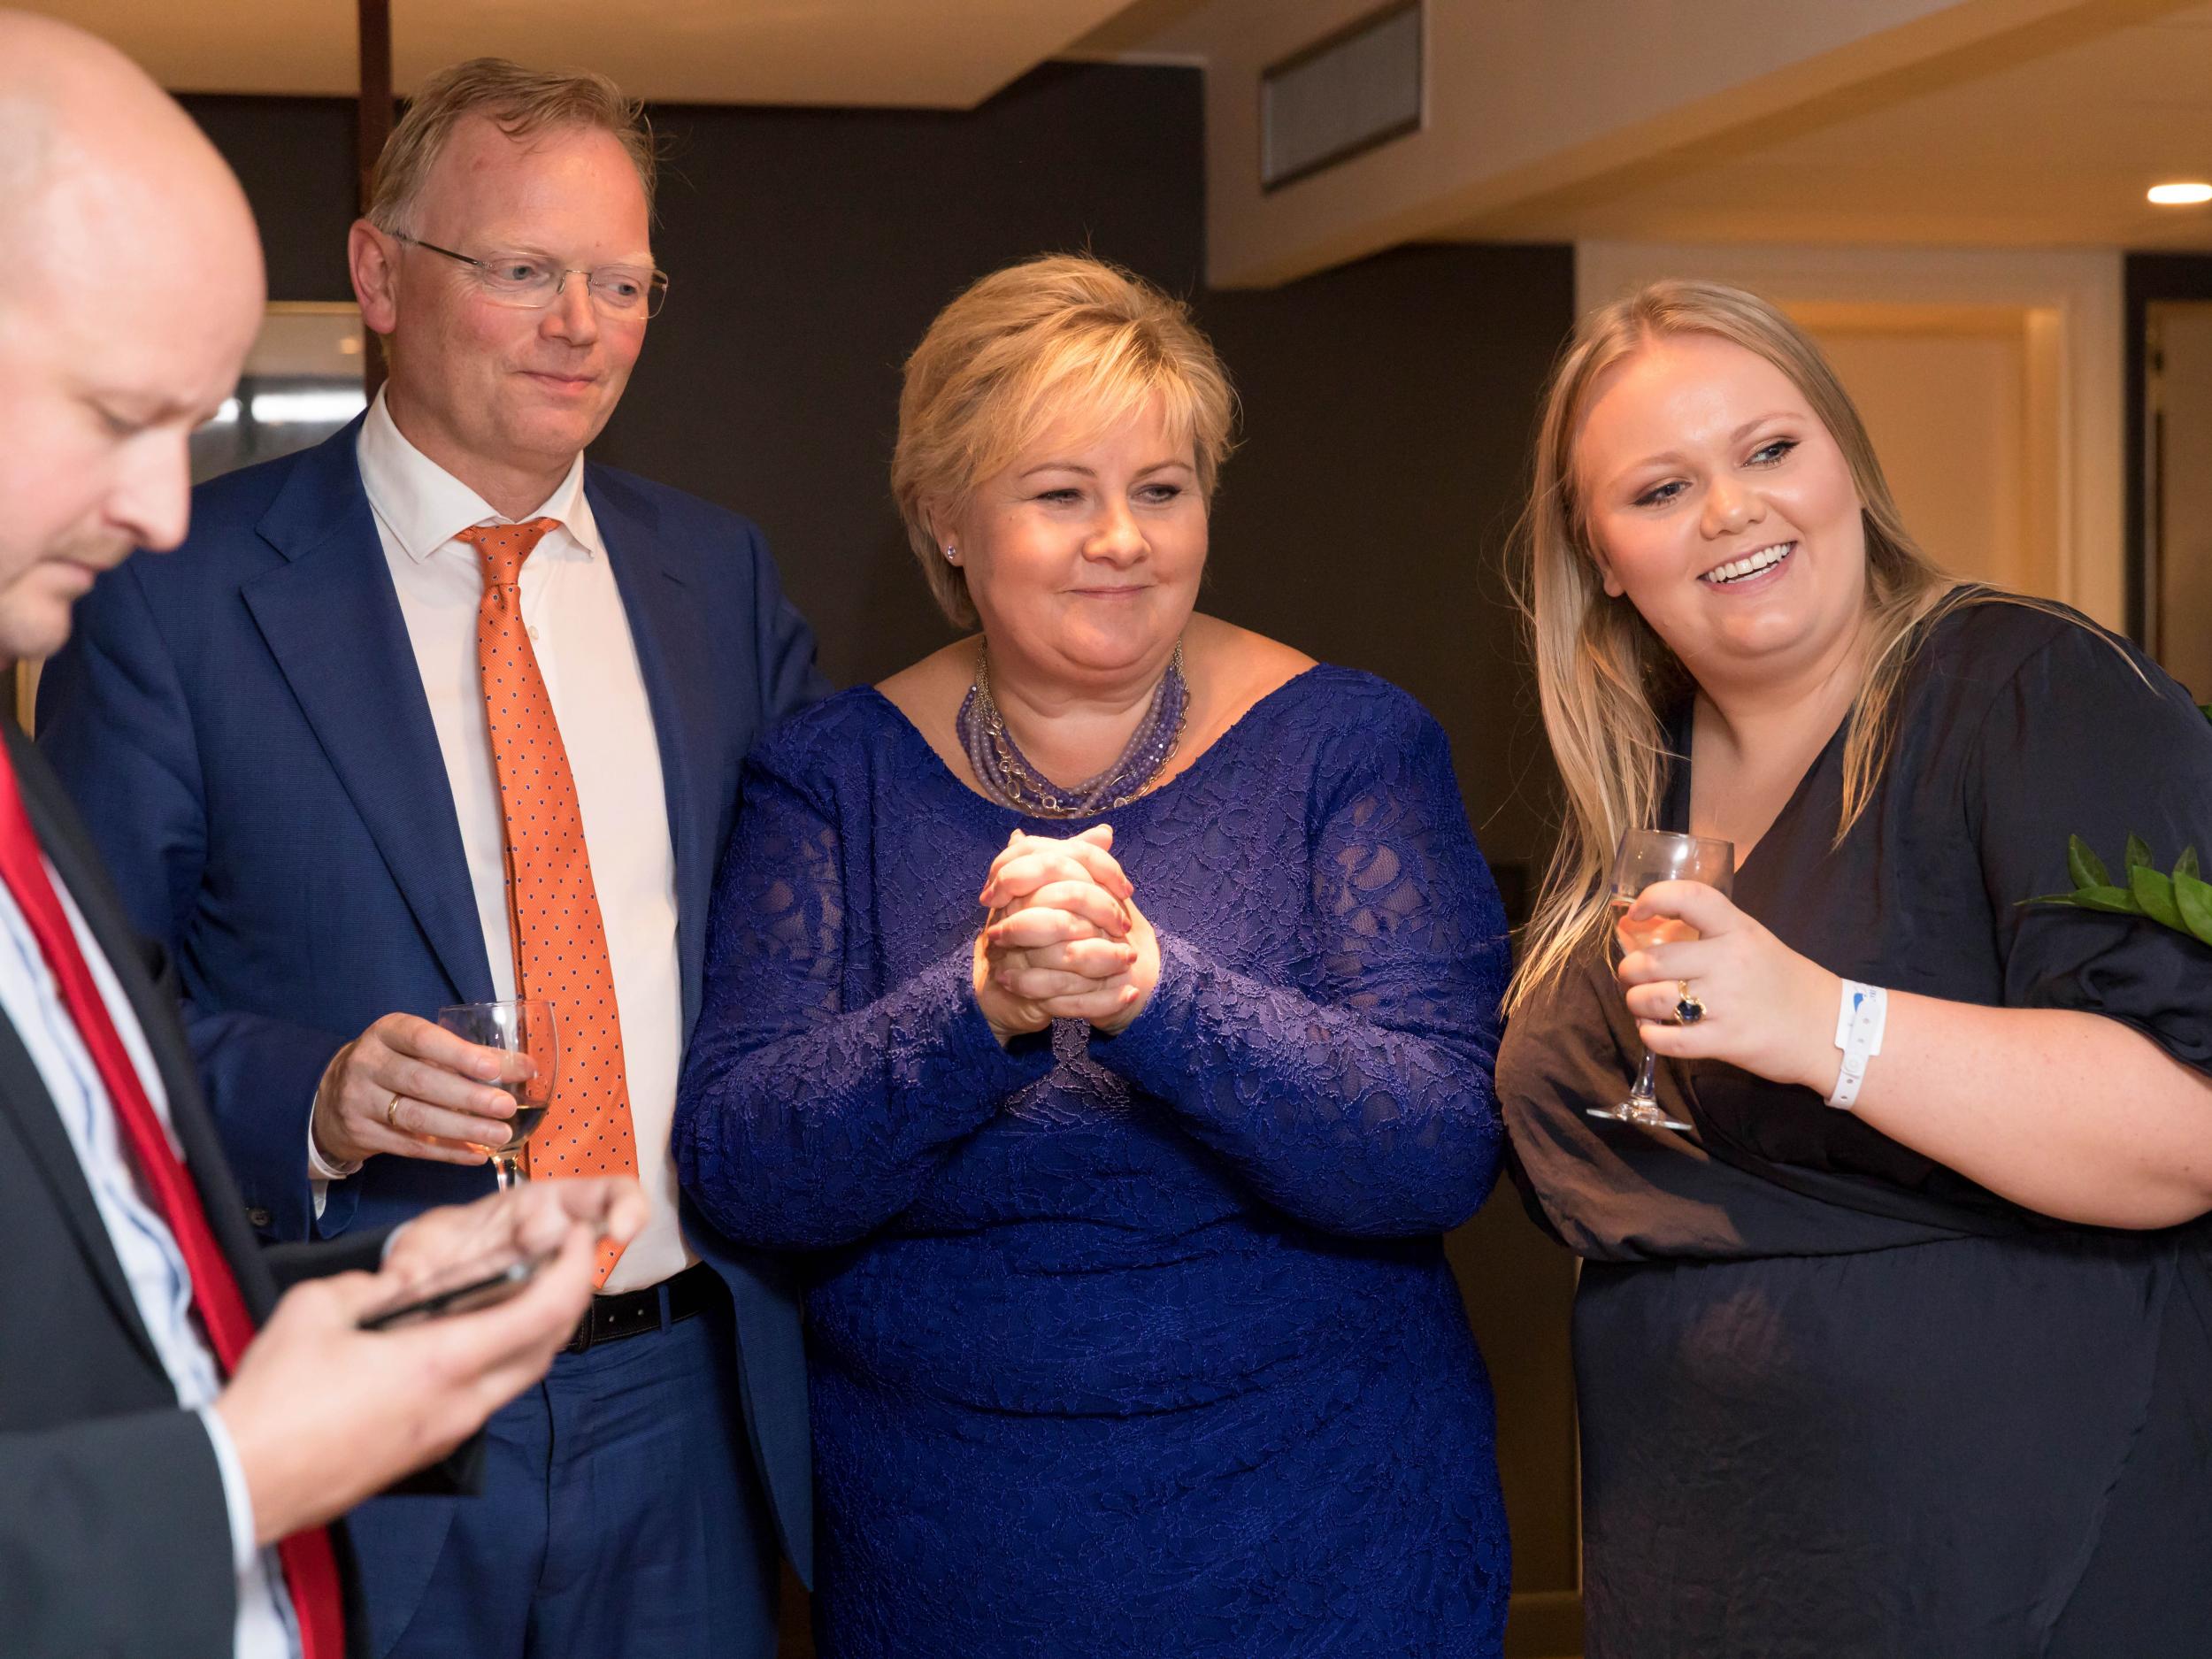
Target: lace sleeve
(801,1122)
(1361,1100)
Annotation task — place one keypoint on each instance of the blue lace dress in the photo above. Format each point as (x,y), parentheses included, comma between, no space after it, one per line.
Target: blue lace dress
(1139,1345)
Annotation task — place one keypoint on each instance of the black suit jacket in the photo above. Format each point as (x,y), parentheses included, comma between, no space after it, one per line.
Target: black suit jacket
(114,1539)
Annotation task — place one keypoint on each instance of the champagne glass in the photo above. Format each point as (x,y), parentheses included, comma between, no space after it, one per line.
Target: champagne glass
(524,1027)
(1646,858)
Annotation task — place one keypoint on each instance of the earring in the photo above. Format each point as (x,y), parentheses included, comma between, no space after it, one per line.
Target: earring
(952,554)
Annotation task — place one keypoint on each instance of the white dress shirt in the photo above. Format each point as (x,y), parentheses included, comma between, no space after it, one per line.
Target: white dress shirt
(582,635)
(152,1264)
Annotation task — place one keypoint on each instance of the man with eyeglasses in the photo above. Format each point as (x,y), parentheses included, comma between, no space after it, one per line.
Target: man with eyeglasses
(438,712)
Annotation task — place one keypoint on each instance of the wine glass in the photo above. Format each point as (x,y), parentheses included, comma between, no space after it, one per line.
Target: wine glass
(1646,858)
(524,1027)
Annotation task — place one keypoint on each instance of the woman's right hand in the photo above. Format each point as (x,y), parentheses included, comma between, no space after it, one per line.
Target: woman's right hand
(1058,931)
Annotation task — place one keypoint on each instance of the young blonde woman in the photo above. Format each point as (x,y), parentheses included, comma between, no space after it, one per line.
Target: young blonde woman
(1107,1002)
(1902,1349)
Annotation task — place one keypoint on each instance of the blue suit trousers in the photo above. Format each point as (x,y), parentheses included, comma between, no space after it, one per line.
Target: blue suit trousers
(620,1518)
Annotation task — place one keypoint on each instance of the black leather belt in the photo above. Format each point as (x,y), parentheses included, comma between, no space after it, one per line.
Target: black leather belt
(634,1312)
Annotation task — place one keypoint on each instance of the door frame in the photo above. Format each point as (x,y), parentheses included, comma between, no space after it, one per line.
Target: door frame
(2147,277)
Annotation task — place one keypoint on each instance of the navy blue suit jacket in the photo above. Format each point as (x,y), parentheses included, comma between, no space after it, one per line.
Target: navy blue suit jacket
(243,727)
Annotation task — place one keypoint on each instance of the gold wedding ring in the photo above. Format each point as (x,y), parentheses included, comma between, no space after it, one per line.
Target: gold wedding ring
(1687,1008)
(391,1114)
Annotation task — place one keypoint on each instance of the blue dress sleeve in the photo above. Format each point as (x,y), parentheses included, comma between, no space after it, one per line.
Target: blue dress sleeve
(1360,1101)
(803,1122)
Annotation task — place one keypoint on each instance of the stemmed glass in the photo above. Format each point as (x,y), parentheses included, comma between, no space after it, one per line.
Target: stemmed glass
(1646,858)
(524,1027)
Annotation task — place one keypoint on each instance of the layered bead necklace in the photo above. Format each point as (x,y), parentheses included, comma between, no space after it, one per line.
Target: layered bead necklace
(1008,778)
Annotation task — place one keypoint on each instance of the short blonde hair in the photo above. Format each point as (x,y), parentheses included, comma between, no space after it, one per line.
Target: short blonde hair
(1022,349)
(523,101)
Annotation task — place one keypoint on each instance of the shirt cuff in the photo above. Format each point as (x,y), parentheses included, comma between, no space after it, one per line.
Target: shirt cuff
(237,1499)
(321,1170)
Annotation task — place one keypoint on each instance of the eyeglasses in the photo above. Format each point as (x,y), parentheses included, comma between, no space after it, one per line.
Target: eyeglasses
(530,283)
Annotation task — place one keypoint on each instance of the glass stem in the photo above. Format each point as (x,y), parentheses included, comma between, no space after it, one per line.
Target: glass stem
(1641,1094)
(506,1173)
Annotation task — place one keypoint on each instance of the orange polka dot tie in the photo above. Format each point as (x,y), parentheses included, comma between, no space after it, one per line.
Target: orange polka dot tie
(553,920)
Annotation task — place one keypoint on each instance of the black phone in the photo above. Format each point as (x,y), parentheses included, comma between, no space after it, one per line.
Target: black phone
(472,1288)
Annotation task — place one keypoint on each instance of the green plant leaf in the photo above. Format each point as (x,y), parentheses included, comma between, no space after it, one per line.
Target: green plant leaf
(2118,901)
(2083,866)
(2193,899)
(2181,900)
(2153,890)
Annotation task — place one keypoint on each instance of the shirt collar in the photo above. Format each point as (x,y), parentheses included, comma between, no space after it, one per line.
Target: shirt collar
(423,506)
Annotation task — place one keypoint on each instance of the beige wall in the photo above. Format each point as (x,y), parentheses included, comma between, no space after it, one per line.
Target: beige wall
(1948,413)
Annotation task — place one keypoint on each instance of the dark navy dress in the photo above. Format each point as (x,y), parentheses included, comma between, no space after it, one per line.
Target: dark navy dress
(1838,1401)
(1141,1345)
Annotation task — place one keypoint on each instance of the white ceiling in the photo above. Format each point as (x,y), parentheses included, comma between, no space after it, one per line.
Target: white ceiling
(2005,144)
(2054,151)
(927,54)
(2014,144)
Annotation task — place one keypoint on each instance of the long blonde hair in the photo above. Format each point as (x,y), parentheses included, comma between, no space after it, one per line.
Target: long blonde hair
(1605,679)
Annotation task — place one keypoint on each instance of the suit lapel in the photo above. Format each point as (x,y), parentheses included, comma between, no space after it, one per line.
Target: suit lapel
(24,1095)
(332,622)
(25,1102)
(675,659)
(68,847)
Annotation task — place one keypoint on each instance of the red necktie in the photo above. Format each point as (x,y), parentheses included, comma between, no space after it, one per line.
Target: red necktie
(311,1568)
(553,919)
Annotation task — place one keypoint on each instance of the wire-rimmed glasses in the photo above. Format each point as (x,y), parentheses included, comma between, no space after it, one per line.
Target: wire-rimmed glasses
(529,281)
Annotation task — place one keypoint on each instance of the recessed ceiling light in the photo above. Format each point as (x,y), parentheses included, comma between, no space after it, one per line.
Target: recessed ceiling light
(2180,194)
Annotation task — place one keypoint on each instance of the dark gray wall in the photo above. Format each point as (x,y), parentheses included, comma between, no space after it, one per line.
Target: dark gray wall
(1388,403)
(808,250)
(294,157)
(1388,408)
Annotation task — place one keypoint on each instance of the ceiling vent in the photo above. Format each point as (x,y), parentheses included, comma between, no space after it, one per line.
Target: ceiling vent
(1342,96)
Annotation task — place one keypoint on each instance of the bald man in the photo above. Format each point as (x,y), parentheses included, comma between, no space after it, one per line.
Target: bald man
(174,1439)
(443,710)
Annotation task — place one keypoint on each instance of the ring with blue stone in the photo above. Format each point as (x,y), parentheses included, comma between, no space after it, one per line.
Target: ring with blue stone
(1687,1009)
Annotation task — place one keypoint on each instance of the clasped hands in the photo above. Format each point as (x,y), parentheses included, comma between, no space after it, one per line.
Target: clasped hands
(1064,939)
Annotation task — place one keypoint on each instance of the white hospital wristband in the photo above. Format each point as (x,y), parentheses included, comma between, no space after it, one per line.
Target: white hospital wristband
(1860,1015)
